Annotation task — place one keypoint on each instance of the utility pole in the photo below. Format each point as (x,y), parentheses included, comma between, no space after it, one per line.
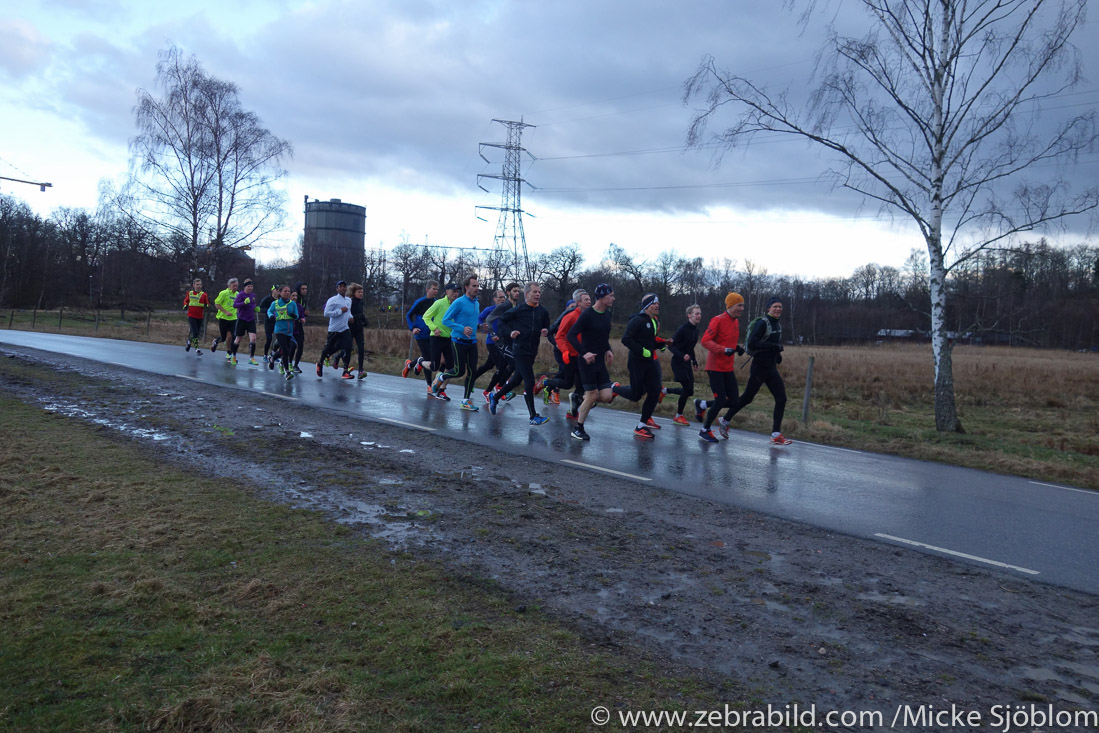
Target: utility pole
(509,229)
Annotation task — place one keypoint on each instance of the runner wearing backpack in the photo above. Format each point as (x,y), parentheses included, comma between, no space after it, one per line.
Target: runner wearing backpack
(764,341)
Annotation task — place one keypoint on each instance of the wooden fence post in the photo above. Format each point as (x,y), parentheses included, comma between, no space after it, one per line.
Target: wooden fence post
(34,317)
(97,320)
(808,391)
(60,315)
(148,322)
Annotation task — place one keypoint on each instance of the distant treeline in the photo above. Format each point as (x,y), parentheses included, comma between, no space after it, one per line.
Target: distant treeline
(1032,295)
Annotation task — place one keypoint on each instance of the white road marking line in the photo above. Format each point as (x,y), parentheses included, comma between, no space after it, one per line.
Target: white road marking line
(957,554)
(193,379)
(280,396)
(832,447)
(408,424)
(605,470)
(1066,488)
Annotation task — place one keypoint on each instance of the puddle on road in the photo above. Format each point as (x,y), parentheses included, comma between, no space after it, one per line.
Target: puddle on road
(895,599)
(395,523)
(70,410)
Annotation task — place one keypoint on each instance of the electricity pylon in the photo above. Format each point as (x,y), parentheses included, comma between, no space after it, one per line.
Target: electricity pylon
(509,229)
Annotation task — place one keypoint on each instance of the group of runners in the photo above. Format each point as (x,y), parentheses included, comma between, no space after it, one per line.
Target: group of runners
(446,330)
(284,314)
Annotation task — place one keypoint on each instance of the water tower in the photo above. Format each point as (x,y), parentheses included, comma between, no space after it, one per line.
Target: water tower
(334,244)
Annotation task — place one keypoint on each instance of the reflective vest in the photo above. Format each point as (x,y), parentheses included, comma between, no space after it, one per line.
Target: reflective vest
(194,300)
(282,312)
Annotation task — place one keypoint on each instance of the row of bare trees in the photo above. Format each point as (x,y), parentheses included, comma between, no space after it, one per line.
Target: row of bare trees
(1034,294)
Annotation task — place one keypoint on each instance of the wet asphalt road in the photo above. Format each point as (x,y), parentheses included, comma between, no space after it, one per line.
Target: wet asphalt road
(1024,528)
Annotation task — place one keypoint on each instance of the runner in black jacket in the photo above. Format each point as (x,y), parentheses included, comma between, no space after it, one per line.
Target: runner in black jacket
(526,324)
(357,325)
(766,351)
(683,360)
(645,379)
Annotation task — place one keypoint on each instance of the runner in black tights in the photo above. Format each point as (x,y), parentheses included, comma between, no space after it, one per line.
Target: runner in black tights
(720,340)
(765,344)
(645,382)
(683,361)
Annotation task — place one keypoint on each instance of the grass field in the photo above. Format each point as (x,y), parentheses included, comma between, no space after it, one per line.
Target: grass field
(135,596)
(1026,412)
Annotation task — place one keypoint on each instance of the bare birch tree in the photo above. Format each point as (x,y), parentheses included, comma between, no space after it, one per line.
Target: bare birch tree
(204,167)
(934,113)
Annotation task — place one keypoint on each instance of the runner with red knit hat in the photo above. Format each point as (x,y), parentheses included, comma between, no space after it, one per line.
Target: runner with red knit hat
(720,341)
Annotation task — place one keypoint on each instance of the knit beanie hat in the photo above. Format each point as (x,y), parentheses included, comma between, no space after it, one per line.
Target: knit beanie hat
(602,290)
(732,299)
(771,302)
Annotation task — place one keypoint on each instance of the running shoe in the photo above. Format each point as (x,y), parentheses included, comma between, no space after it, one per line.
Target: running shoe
(580,434)
(539,420)
(362,374)
(437,384)
(708,436)
(289,376)
(644,433)
(419,365)
(443,395)
(430,393)
(570,416)
(680,420)
(198,351)
(547,395)
(214,346)
(271,362)
(613,393)
(347,375)
(297,369)
(187,346)
(652,424)
(556,397)
(780,440)
(228,357)
(407,368)
(508,397)
(493,401)
(723,427)
(282,370)
(539,384)
(486,394)
(663,394)
(320,369)
(467,404)
(233,361)
(327,361)
(253,362)
(700,414)
(575,401)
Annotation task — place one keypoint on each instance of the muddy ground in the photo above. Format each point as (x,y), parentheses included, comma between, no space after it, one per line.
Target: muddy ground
(789,612)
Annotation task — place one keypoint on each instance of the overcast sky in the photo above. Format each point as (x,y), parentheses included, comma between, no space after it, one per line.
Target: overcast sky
(385,102)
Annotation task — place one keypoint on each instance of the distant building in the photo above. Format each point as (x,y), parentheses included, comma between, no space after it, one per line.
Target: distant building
(334,243)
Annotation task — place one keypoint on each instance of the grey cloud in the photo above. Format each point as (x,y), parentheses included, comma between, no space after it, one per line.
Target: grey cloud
(379,89)
(23,49)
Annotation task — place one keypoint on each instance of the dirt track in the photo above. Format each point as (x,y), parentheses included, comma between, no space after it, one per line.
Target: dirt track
(789,612)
